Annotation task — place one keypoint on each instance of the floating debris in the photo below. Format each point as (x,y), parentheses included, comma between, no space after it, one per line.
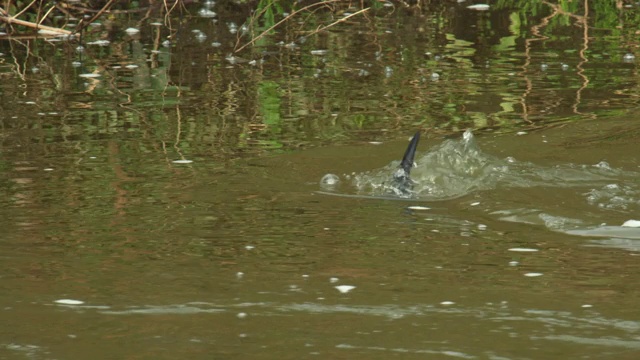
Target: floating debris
(478,7)
(206,13)
(518,249)
(89,75)
(100,43)
(132,31)
(242,315)
(334,280)
(629,57)
(183,161)
(69,302)
(447,303)
(319,52)
(533,274)
(417,207)
(345,288)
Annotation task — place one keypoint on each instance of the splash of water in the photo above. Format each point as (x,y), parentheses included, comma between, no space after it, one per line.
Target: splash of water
(456,168)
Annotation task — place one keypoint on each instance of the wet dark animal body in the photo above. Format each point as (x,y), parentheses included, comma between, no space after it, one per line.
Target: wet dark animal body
(402,177)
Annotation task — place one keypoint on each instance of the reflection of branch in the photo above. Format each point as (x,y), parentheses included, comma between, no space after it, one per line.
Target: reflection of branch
(339,21)
(583,58)
(583,20)
(95,17)
(327,2)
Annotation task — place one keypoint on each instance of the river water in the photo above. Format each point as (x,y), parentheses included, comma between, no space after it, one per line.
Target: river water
(162,198)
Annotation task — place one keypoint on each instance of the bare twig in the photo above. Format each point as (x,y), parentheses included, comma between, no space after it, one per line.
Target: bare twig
(4,16)
(47,14)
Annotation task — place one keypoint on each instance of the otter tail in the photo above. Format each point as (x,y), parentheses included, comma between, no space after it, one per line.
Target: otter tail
(402,180)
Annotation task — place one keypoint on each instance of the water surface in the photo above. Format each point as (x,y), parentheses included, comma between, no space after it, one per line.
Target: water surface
(172,209)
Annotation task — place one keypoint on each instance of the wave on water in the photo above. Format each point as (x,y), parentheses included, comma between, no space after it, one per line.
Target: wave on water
(457,168)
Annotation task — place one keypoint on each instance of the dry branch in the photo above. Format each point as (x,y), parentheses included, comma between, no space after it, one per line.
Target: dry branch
(4,16)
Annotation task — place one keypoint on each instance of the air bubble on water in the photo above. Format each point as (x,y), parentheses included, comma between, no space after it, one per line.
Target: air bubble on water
(329,181)
(201,37)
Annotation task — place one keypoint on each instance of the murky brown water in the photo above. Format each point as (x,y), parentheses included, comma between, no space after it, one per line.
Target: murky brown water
(111,249)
